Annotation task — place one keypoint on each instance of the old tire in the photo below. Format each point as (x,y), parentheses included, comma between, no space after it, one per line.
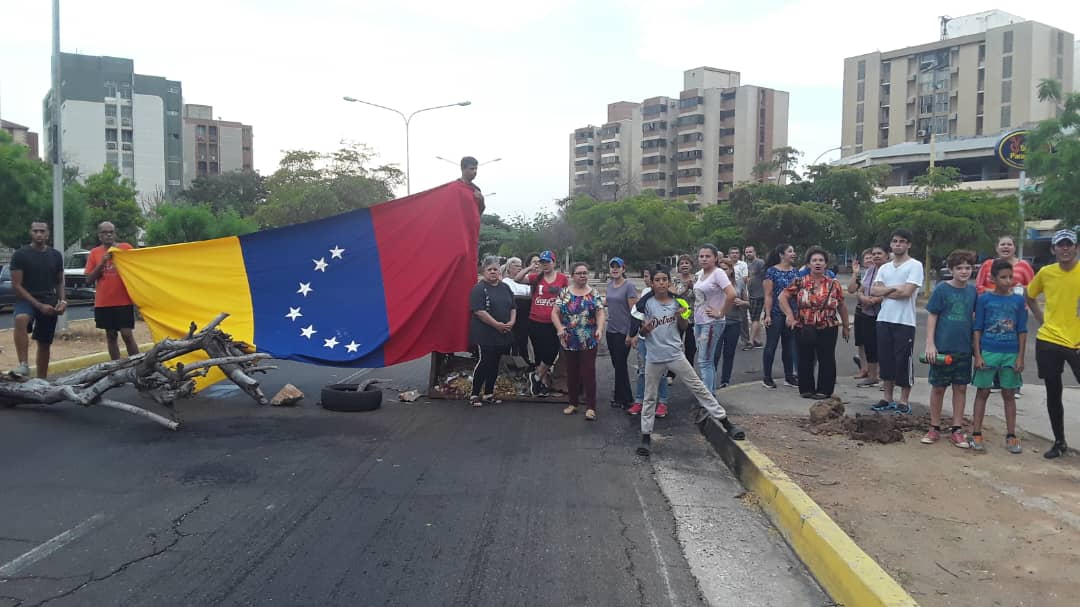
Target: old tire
(349,398)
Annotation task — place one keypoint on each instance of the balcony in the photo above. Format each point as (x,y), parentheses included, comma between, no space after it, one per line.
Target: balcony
(127,147)
(110,145)
(125,122)
(110,121)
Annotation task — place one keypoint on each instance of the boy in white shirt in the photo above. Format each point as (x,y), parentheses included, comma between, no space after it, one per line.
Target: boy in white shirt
(898,281)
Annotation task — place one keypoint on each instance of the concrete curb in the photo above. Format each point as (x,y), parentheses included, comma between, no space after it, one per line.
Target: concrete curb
(847,574)
(81,362)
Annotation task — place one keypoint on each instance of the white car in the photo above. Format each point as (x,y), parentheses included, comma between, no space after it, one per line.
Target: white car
(75,285)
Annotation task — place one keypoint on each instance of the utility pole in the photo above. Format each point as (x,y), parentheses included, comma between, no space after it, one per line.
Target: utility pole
(57,150)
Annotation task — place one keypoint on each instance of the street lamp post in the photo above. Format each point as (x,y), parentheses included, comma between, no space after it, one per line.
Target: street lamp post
(407,119)
(57,151)
(839,147)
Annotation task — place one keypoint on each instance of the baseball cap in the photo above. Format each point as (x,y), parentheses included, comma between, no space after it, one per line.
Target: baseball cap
(1062,235)
(547,256)
(617,261)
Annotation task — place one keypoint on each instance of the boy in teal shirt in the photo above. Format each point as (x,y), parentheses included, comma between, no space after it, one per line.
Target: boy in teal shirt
(1000,338)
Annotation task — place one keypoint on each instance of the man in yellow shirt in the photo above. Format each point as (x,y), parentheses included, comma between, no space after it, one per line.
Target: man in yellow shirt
(1058,340)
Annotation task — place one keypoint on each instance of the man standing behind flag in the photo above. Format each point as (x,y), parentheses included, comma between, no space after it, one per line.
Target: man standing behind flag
(113,309)
(469,166)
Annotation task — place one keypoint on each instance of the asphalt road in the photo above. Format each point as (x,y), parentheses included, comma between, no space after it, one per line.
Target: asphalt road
(77,311)
(425,503)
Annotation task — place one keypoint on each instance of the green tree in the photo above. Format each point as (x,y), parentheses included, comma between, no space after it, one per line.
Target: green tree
(948,220)
(641,229)
(1053,157)
(716,224)
(802,225)
(26,195)
(310,185)
(494,232)
(111,197)
(939,177)
(242,191)
(175,223)
(850,191)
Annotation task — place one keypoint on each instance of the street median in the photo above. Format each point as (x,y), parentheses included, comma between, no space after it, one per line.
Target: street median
(844,570)
(68,365)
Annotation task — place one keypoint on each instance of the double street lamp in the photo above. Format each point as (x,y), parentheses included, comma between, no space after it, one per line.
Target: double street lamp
(407,119)
(479,165)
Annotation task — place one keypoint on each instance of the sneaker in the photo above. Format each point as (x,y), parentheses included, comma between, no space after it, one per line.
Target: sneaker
(975,443)
(1057,450)
(22,370)
(791,382)
(932,436)
(646,445)
(747,347)
(768,383)
(806,395)
(590,415)
(884,405)
(758,346)
(661,410)
(534,385)
(722,385)
(570,410)
(635,409)
(868,382)
(903,408)
(958,439)
(735,432)
(820,396)
(1012,444)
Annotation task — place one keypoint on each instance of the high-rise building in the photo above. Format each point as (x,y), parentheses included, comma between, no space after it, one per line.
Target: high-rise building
(695,147)
(111,115)
(980,79)
(214,146)
(21,135)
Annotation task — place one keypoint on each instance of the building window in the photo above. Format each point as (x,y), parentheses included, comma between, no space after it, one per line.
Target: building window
(858,134)
(1061,67)
(862,70)
(1006,91)
(860,91)
(978,125)
(110,135)
(860,113)
(110,88)
(982,53)
(940,125)
(1007,42)
(926,104)
(941,103)
(1006,67)
(886,71)
(1006,116)
(110,110)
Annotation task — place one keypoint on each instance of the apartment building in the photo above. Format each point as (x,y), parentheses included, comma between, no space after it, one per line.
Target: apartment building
(214,146)
(21,135)
(694,147)
(111,115)
(979,79)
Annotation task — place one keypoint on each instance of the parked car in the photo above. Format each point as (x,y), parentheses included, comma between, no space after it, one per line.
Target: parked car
(76,288)
(7,292)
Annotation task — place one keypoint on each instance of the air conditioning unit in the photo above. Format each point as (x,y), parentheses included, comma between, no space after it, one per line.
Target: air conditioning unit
(921,134)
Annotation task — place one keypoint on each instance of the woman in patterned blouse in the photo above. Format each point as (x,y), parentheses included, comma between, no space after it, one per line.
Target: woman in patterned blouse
(579,321)
(814,308)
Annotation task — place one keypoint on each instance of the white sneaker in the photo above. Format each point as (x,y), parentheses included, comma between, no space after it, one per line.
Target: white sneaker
(22,370)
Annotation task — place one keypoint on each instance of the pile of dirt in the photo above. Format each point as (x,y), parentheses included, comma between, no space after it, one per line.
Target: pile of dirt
(827,418)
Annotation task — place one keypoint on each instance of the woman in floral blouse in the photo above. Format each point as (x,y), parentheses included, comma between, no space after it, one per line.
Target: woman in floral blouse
(579,318)
(814,307)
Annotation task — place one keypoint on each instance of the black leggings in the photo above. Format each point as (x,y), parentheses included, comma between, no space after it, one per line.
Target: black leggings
(1051,360)
(487,368)
(822,351)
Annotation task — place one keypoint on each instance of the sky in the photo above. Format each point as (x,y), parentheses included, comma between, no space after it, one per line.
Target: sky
(532,74)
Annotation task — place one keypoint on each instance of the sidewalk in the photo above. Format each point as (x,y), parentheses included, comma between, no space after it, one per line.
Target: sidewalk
(750,398)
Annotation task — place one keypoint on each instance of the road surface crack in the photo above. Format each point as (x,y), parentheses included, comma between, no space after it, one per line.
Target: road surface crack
(177,535)
(629,547)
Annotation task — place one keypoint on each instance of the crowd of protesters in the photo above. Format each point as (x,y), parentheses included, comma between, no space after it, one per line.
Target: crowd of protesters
(688,322)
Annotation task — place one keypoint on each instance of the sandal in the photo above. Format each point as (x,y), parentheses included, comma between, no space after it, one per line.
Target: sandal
(475,401)
(590,415)
(491,400)
(570,410)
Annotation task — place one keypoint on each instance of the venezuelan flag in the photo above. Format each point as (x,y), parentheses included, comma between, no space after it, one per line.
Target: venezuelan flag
(368,288)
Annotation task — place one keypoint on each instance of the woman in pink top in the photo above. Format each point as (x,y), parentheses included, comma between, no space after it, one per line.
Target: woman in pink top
(713,296)
(1023,273)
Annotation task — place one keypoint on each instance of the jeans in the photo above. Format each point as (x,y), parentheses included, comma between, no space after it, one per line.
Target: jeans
(581,374)
(620,352)
(639,392)
(707,335)
(655,376)
(823,352)
(725,349)
(487,369)
(778,334)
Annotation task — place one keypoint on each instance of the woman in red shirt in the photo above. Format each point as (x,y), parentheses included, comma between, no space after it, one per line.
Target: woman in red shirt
(546,284)
(1023,273)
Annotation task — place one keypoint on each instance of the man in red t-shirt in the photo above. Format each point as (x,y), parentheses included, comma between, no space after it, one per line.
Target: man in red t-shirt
(113,309)
(546,284)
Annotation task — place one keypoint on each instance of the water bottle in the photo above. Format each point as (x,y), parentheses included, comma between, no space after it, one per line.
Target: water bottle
(940,359)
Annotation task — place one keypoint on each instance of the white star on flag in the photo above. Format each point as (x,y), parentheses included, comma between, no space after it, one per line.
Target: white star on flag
(320,264)
(294,313)
(335,253)
(330,343)
(305,288)
(308,331)
(352,346)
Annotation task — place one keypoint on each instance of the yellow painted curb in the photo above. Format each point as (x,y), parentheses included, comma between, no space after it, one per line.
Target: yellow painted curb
(847,574)
(81,362)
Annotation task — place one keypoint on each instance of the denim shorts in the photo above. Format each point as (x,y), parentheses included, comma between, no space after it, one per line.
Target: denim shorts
(42,327)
